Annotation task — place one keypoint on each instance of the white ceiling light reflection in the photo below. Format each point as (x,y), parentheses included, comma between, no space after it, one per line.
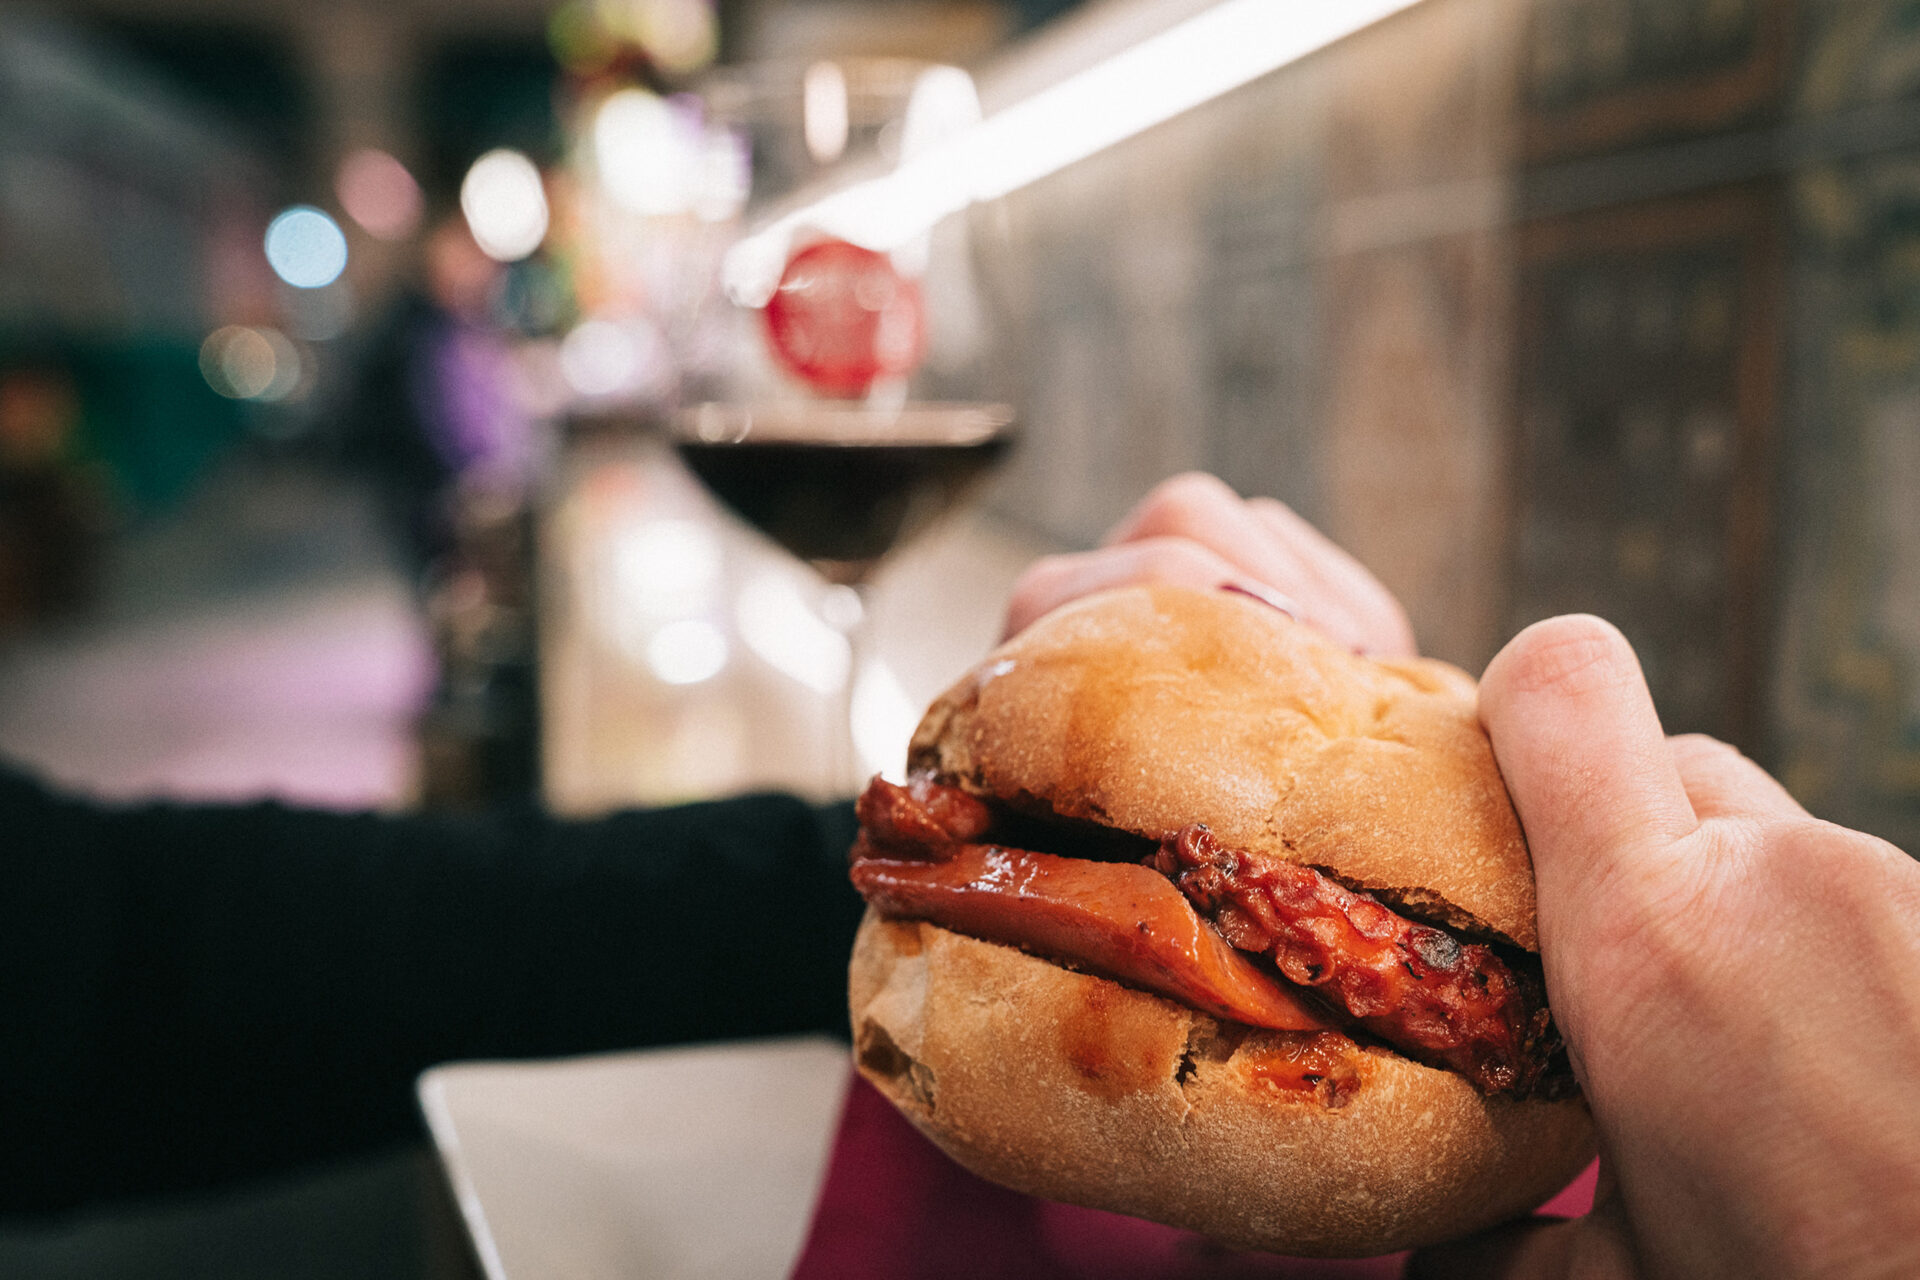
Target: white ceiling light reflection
(306,248)
(944,104)
(725,177)
(597,358)
(680,35)
(664,569)
(687,651)
(777,624)
(648,153)
(378,193)
(1217,50)
(883,720)
(600,358)
(505,205)
(823,111)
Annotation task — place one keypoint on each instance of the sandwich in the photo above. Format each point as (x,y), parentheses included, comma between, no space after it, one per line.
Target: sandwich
(1186,912)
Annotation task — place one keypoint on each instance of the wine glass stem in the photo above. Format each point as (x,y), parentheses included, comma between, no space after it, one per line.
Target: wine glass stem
(855,622)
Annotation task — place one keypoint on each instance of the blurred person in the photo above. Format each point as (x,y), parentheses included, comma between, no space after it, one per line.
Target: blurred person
(435,401)
(200,994)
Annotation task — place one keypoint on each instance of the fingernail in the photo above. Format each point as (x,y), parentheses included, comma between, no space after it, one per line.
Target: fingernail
(1265,595)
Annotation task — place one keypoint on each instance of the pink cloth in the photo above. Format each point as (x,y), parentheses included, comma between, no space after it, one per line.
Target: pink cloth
(894,1206)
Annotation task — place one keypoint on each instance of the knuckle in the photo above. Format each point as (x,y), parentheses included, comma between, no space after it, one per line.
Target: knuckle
(1697,749)
(1037,577)
(1040,583)
(1176,559)
(1392,615)
(1273,506)
(1702,744)
(1194,485)
(1833,851)
(1182,502)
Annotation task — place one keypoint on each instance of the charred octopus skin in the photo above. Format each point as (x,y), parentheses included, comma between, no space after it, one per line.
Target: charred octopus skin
(920,816)
(1447,1003)
(1439,1000)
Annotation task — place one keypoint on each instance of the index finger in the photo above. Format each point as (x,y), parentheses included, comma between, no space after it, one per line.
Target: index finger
(1269,544)
(1052,581)
(1722,783)
(1366,595)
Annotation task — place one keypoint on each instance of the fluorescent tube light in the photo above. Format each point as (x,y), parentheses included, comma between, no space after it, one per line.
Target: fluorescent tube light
(1197,60)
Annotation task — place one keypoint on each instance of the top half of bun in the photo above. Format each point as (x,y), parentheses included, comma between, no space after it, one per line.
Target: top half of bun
(1148,708)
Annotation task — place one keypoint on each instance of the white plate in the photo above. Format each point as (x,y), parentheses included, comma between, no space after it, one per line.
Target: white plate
(676,1163)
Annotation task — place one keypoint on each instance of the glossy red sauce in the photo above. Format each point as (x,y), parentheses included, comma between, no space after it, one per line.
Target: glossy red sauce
(1448,1003)
(1321,1066)
(1119,919)
(1185,924)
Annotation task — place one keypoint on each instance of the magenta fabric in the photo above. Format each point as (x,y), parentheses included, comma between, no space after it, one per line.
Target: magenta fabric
(894,1206)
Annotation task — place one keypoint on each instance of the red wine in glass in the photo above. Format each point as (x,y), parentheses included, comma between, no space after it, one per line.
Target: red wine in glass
(841,486)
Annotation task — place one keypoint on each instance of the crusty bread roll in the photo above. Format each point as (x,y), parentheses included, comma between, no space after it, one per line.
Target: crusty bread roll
(1068,1086)
(1145,710)
(1148,708)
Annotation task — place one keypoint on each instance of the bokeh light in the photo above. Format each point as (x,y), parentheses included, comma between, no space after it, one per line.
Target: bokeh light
(823,111)
(378,193)
(597,358)
(679,35)
(778,624)
(648,153)
(607,358)
(579,39)
(306,248)
(726,175)
(944,104)
(687,651)
(243,363)
(663,568)
(505,205)
(884,717)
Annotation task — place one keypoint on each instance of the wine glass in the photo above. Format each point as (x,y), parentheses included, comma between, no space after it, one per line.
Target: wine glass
(840,486)
(830,419)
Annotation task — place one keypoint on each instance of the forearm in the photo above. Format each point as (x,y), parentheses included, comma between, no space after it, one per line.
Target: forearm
(207,993)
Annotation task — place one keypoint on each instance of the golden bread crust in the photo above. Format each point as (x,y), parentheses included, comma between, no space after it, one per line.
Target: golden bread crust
(1076,1088)
(1148,708)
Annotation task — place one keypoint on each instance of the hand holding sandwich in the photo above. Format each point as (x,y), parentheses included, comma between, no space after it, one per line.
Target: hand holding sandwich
(1738,983)
(1194,531)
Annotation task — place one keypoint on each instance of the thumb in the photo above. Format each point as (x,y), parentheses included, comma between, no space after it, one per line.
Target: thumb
(1583,755)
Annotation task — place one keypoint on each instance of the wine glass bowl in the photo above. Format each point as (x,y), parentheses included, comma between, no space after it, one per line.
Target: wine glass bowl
(840,484)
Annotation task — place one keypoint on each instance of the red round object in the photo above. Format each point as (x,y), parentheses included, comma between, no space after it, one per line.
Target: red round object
(843,317)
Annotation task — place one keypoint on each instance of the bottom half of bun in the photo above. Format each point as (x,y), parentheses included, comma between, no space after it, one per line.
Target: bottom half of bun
(1075,1088)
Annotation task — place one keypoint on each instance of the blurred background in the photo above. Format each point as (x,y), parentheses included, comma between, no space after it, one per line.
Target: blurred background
(341,344)
(336,344)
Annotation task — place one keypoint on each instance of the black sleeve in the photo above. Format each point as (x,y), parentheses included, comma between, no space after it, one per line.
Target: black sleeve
(192,994)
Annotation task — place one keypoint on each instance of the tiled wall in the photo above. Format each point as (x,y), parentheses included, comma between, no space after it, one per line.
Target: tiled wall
(1302,286)
(1573,304)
